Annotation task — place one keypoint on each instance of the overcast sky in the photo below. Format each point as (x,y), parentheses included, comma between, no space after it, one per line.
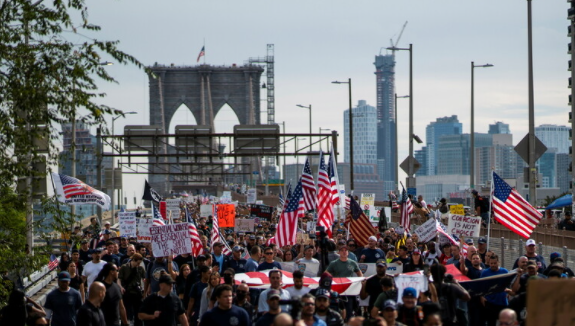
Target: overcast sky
(319,41)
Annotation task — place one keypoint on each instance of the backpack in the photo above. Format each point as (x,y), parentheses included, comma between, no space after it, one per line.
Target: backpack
(447,304)
(443,208)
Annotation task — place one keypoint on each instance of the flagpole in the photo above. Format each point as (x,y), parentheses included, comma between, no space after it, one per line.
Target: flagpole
(204,47)
(489,216)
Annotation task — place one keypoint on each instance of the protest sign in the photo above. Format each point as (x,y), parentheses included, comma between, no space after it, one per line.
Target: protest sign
(226,215)
(173,206)
(262,211)
(206,210)
(143,229)
(427,231)
(171,239)
(302,237)
(366,203)
(226,197)
(550,302)
(244,225)
(128,225)
(467,226)
(394,268)
(457,209)
(416,281)
(489,285)
(369,269)
(252,196)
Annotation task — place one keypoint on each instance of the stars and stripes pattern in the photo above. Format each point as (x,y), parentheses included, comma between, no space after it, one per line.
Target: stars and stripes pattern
(512,210)
(74,187)
(332,173)
(358,223)
(287,226)
(324,198)
(202,53)
(53,263)
(308,185)
(440,228)
(406,210)
(158,220)
(288,195)
(197,246)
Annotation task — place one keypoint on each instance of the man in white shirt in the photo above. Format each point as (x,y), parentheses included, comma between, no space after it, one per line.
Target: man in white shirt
(275,276)
(92,268)
(297,290)
(307,256)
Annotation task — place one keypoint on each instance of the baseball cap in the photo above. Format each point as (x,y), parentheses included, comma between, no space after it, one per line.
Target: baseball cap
(554,255)
(166,279)
(558,264)
(107,223)
(410,292)
(84,241)
(482,240)
(531,263)
(469,241)
(238,249)
(98,250)
(252,237)
(202,257)
(381,263)
(416,251)
(390,304)
(322,293)
(530,242)
(64,276)
(273,293)
(106,232)
(372,238)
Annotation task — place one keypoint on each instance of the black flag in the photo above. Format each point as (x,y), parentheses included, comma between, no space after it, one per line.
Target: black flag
(151,194)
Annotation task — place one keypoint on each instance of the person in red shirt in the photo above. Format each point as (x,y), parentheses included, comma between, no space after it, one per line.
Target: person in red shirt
(446,254)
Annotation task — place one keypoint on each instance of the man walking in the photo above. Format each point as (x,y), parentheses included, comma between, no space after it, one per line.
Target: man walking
(93,268)
(112,306)
(163,308)
(225,313)
(90,313)
(64,302)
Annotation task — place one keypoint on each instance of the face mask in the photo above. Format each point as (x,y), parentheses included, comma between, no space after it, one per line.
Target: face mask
(227,278)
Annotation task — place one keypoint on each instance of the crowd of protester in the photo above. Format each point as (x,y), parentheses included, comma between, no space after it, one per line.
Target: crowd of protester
(110,280)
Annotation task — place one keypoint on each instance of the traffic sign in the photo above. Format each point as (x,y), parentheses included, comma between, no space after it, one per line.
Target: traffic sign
(523,148)
(405,164)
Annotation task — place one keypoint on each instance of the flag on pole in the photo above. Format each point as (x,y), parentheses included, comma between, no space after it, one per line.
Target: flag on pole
(197,246)
(53,263)
(324,198)
(287,226)
(441,231)
(359,225)
(511,210)
(308,185)
(72,191)
(406,210)
(158,220)
(216,235)
(332,172)
(151,194)
(202,53)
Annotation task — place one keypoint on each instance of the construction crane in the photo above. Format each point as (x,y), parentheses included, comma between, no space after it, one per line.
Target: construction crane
(396,41)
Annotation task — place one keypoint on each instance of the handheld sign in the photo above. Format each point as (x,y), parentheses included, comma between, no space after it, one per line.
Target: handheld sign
(467,226)
(143,229)
(244,225)
(128,225)
(457,209)
(171,239)
(226,215)
(427,230)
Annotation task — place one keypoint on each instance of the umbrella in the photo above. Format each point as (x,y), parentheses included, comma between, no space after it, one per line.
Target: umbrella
(566,200)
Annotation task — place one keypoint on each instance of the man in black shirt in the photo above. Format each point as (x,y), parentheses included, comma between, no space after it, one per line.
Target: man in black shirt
(273,300)
(372,286)
(164,307)
(242,299)
(90,314)
(225,313)
(195,295)
(237,263)
(112,306)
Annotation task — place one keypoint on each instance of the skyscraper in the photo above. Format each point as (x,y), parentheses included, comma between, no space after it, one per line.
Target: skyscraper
(433,132)
(499,128)
(364,134)
(386,119)
(554,136)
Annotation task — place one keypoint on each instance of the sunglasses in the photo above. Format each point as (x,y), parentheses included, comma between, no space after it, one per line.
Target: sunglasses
(269,253)
(309,304)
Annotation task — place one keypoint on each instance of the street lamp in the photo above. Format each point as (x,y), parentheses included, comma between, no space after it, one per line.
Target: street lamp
(308,107)
(410,178)
(297,150)
(350,134)
(396,143)
(472,145)
(113,172)
(320,130)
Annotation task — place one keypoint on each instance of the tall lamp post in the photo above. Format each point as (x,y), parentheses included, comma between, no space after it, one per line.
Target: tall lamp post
(472,136)
(309,108)
(350,134)
(320,130)
(396,143)
(114,172)
(411,171)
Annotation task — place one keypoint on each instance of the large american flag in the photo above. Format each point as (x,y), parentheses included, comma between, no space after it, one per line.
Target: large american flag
(74,187)
(358,224)
(53,263)
(308,185)
(324,198)
(216,236)
(331,171)
(287,226)
(406,210)
(158,220)
(197,246)
(511,210)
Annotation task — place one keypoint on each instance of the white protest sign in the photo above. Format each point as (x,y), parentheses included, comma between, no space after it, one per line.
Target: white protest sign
(369,269)
(394,268)
(287,266)
(427,231)
(308,269)
(467,226)
(244,225)
(252,196)
(226,197)
(143,227)
(172,239)
(173,205)
(417,281)
(206,210)
(128,225)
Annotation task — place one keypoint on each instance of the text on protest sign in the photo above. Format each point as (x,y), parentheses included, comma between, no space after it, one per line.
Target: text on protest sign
(252,196)
(143,229)
(262,211)
(226,215)
(369,269)
(457,209)
(427,231)
(128,227)
(243,225)
(173,205)
(172,239)
(467,226)
(416,281)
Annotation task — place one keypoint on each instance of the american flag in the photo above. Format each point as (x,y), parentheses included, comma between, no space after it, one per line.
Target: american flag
(511,210)
(216,235)
(53,263)
(74,187)
(406,210)
(288,195)
(324,198)
(331,172)
(282,200)
(158,220)
(308,185)
(194,235)
(359,225)
(287,226)
(202,53)
(441,229)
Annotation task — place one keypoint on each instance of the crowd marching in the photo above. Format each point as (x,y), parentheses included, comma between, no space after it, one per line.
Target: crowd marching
(244,279)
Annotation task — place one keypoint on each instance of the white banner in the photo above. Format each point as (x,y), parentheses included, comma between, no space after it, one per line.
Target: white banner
(128,227)
(206,210)
(252,196)
(172,239)
(244,225)
(308,269)
(427,231)
(467,226)
(416,281)
(143,229)
(78,193)
(369,269)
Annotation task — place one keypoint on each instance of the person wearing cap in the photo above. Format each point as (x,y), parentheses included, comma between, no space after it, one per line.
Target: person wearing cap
(107,226)
(531,254)
(388,292)
(482,249)
(372,287)
(344,267)
(163,308)
(237,262)
(323,310)
(496,302)
(85,251)
(519,284)
(64,301)
(306,255)
(130,277)
(389,313)
(154,271)
(407,312)
(567,223)
(90,312)
(251,242)
(92,268)
(371,254)
(273,301)
(219,257)
(481,205)
(225,313)
(308,311)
